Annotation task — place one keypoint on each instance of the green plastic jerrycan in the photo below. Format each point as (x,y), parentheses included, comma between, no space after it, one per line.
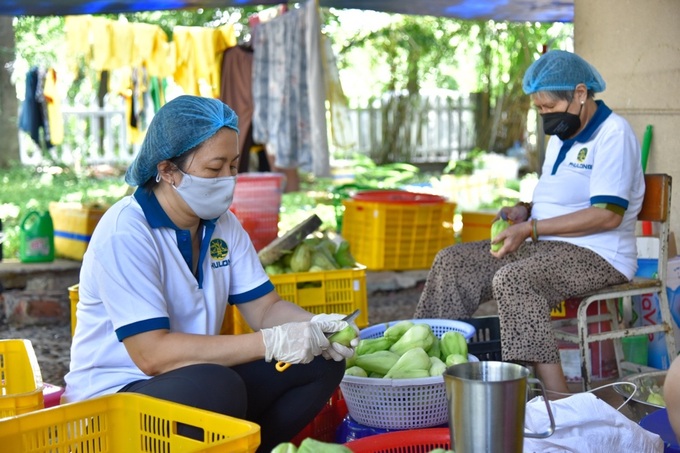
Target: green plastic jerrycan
(36,238)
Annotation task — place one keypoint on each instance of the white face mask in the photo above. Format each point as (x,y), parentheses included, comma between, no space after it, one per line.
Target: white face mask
(209,198)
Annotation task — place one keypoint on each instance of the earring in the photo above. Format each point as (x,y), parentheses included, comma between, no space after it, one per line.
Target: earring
(158,178)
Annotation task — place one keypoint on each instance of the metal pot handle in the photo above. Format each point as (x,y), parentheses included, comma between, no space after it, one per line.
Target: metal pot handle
(550,415)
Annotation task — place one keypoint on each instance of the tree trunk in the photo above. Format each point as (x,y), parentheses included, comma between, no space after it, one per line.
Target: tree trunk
(9,151)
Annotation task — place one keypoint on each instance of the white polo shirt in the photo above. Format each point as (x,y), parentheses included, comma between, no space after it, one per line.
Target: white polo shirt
(602,164)
(136,278)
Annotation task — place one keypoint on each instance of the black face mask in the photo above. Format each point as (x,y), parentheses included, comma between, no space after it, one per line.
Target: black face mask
(562,124)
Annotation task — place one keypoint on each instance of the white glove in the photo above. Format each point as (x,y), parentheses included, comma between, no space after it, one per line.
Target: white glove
(336,351)
(295,342)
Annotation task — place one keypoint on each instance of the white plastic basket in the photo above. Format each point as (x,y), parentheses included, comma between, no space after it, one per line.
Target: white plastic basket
(401,403)
(438,326)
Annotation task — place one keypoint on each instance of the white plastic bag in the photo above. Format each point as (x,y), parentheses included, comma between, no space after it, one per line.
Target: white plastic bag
(585,424)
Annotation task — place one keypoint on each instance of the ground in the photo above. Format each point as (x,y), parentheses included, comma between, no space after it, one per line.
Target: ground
(391,296)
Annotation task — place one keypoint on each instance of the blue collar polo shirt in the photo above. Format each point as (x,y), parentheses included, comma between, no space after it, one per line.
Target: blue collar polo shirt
(136,277)
(600,165)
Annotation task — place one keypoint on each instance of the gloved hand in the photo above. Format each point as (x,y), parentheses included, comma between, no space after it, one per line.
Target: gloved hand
(295,342)
(336,351)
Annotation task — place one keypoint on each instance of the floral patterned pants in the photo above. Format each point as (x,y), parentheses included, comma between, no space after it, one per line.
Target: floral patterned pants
(526,285)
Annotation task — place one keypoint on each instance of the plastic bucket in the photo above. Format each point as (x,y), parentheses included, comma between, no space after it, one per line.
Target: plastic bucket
(36,238)
(635,349)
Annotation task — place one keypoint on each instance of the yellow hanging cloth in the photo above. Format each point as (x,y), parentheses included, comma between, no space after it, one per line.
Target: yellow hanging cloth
(199,58)
(53,103)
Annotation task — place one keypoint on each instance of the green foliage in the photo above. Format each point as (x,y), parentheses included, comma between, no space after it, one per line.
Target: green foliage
(466,165)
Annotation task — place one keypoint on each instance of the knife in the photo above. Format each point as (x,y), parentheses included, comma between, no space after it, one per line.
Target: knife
(283,366)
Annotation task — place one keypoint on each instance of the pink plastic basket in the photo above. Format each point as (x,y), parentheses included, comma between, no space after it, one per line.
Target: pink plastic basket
(257,201)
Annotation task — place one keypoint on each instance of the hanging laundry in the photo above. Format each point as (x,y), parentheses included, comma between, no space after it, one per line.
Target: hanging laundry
(52,100)
(199,53)
(283,99)
(237,92)
(33,116)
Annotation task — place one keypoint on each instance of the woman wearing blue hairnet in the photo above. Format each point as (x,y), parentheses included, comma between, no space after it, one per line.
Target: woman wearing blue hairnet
(159,272)
(577,235)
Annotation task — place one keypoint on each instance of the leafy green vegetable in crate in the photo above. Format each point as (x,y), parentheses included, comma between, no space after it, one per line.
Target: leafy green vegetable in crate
(343,256)
(301,260)
(323,258)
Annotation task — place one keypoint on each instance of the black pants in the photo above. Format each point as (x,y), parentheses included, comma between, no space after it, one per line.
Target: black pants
(282,403)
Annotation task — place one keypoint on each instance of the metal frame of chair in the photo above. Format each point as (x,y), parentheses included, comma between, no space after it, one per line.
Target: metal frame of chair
(656,207)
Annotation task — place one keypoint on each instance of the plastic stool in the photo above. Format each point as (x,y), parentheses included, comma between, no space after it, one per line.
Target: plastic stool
(52,394)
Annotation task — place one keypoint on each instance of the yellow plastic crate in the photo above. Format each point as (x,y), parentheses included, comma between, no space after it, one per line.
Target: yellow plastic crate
(477,225)
(21,385)
(126,422)
(73,297)
(396,236)
(73,228)
(339,291)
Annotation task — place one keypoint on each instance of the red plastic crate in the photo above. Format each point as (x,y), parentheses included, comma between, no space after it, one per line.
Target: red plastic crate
(257,201)
(411,441)
(325,424)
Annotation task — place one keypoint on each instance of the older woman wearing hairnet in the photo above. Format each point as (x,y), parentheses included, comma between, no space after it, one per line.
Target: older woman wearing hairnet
(158,274)
(577,235)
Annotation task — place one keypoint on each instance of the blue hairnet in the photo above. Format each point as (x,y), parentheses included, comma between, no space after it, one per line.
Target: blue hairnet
(558,70)
(178,126)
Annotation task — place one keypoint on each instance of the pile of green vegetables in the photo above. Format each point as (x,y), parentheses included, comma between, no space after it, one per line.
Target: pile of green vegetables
(407,350)
(314,254)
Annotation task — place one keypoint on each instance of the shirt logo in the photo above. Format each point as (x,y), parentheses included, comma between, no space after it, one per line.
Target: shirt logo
(583,152)
(580,158)
(218,249)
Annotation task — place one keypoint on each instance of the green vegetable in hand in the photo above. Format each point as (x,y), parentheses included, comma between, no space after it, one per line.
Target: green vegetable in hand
(344,337)
(418,336)
(496,228)
(377,362)
(414,363)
